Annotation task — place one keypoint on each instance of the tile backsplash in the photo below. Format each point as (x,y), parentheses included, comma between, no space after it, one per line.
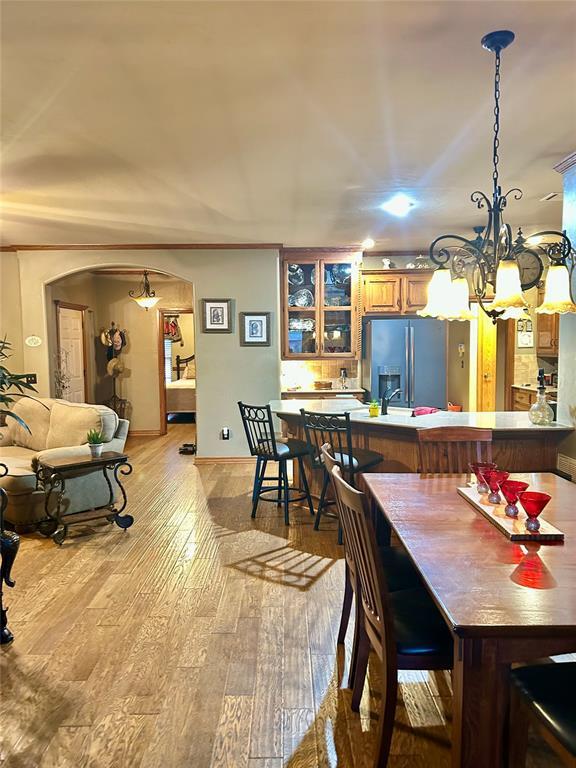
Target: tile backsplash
(304,373)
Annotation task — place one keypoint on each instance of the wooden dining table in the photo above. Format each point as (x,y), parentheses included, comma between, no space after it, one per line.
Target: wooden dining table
(504,602)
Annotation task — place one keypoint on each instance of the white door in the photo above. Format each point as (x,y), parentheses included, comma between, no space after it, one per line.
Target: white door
(71,336)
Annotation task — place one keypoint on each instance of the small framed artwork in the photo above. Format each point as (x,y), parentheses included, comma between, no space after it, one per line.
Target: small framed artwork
(216,316)
(255,329)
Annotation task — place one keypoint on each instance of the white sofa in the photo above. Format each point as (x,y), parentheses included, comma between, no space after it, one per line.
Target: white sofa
(58,429)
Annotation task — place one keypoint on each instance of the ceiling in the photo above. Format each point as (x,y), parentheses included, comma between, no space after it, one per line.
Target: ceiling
(230,122)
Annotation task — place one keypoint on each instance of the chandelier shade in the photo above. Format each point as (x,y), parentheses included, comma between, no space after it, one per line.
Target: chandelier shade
(557,298)
(147,297)
(494,260)
(447,298)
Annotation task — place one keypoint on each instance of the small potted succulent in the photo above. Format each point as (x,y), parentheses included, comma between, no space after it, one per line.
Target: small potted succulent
(95,440)
(374,407)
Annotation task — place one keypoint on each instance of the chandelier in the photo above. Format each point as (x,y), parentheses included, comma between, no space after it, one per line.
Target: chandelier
(147,297)
(493,259)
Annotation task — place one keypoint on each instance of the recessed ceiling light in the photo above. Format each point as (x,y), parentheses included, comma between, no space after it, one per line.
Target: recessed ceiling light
(398,205)
(367,244)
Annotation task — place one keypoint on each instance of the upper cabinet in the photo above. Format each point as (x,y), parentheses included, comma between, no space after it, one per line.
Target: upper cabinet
(399,292)
(319,305)
(547,332)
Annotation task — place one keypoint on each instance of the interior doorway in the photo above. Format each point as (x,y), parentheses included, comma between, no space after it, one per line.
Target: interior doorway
(176,366)
(71,351)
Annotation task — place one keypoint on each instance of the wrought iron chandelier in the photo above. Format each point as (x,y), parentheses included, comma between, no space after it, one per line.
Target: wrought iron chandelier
(493,258)
(147,297)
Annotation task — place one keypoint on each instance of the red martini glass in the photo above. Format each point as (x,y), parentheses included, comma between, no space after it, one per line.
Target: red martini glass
(478,468)
(533,503)
(494,477)
(510,490)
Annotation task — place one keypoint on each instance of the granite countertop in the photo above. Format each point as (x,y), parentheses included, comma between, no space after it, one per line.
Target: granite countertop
(333,390)
(534,388)
(402,417)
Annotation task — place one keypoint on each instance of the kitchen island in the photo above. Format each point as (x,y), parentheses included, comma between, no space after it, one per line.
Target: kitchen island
(517,444)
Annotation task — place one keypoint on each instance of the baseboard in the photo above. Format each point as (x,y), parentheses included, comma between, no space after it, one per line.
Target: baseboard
(144,433)
(567,464)
(224,460)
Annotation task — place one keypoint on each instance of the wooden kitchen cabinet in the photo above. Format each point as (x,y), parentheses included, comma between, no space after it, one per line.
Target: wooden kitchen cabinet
(547,332)
(394,292)
(320,312)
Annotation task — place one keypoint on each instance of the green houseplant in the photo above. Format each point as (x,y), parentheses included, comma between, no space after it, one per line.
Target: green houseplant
(11,385)
(95,440)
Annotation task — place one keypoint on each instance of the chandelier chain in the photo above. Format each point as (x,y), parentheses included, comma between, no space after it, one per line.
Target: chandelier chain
(495,156)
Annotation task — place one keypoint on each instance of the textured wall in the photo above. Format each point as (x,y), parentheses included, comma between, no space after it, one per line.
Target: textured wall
(226,371)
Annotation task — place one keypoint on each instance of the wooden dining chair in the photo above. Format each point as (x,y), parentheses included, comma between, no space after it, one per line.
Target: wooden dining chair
(404,628)
(543,695)
(399,570)
(451,449)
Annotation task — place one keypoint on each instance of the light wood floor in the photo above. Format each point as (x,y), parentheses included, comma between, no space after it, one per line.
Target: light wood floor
(198,638)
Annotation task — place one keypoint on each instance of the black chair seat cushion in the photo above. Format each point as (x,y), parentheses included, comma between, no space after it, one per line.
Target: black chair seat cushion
(398,568)
(420,628)
(550,690)
(291,449)
(361,459)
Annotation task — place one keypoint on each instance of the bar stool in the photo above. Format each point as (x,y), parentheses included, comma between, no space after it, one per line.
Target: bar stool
(334,429)
(259,428)
(544,695)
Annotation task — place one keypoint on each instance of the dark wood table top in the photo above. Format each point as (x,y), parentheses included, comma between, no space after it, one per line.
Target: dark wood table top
(81,462)
(484,584)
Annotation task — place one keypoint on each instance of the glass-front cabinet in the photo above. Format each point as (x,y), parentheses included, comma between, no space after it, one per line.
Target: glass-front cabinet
(320,305)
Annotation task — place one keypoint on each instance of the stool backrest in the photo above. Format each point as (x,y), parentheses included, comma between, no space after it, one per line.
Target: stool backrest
(259,428)
(331,428)
(361,541)
(451,449)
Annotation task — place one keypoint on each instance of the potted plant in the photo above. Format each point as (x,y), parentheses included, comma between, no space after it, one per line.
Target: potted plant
(11,384)
(95,440)
(374,407)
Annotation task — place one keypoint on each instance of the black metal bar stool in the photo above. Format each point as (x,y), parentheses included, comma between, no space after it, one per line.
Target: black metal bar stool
(259,428)
(335,429)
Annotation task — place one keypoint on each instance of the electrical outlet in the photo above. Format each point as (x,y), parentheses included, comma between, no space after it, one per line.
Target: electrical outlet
(225,433)
(31,378)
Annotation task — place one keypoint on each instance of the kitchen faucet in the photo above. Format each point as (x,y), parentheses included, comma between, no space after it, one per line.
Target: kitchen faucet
(387,397)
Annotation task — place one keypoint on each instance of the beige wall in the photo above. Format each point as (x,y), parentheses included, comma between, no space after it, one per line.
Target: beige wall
(567,344)
(10,309)
(458,369)
(227,372)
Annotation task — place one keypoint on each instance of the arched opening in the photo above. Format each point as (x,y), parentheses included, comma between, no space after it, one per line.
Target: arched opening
(105,348)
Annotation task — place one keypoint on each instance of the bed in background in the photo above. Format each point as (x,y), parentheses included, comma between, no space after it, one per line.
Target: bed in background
(181,394)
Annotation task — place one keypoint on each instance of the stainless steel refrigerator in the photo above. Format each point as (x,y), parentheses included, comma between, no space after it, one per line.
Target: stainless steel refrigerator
(409,355)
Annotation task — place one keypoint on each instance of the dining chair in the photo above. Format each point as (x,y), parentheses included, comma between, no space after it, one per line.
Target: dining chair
(399,570)
(404,628)
(335,429)
(262,442)
(544,696)
(451,449)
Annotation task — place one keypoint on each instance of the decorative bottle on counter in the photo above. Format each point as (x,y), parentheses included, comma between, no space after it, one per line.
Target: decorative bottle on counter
(540,412)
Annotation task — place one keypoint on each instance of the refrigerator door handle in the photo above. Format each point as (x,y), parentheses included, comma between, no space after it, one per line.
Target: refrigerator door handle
(407,369)
(412,367)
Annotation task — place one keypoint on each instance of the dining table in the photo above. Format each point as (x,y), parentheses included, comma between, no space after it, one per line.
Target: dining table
(505,602)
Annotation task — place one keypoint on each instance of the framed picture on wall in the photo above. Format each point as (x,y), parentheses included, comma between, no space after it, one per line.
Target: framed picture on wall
(255,329)
(217,315)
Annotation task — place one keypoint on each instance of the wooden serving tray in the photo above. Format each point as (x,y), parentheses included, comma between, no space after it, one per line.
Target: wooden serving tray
(513,528)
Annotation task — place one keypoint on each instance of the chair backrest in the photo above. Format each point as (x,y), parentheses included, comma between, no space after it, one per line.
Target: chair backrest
(451,449)
(259,428)
(331,428)
(361,541)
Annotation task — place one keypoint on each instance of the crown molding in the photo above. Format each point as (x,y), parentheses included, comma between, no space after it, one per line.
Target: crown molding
(566,164)
(143,247)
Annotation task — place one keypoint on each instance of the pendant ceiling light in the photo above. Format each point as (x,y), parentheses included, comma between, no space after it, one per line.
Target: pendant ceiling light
(147,297)
(494,260)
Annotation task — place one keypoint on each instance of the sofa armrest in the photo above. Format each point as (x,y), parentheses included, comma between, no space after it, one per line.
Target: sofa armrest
(4,438)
